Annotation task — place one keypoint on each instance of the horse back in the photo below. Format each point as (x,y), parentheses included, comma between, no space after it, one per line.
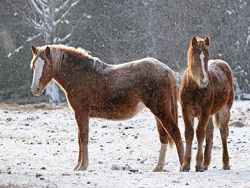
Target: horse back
(136,75)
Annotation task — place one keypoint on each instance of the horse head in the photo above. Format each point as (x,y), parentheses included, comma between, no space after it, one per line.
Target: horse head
(198,56)
(42,69)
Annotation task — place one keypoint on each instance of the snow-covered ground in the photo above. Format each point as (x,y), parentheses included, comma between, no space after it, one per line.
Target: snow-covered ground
(39,148)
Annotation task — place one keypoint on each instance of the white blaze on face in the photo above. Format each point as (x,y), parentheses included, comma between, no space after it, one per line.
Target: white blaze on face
(205,77)
(37,72)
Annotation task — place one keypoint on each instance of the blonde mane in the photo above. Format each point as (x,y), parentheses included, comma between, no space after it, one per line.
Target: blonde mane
(72,50)
(59,52)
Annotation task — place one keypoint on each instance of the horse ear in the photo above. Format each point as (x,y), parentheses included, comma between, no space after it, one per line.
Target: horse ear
(207,41)
(34,49)
(47,51)
(194,41)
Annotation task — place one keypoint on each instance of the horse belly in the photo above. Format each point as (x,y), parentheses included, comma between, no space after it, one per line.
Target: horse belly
(118,112)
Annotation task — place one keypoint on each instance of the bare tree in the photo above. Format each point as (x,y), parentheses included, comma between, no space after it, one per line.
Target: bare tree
(51,24)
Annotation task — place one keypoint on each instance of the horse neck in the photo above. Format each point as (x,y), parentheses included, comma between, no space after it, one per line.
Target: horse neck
(59,66)
(68,68)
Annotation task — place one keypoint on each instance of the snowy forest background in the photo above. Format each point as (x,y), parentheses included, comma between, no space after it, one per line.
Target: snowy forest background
(118,31)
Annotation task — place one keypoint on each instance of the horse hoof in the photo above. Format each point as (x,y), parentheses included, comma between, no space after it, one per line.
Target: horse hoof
(199,169)
(79,167)
(82,168)
(76,167)
(158,169)
(185,168)
(226,167)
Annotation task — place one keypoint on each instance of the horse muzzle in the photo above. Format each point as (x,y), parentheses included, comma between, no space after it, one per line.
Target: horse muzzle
(36,91)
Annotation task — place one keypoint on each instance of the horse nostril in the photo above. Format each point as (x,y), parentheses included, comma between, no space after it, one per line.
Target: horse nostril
(35,90)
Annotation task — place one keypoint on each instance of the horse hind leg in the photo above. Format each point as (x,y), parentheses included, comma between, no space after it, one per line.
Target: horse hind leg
(165,140)
(189,135)
(209,143)
(174,132)
(164,107)
(170,125)
(222,119)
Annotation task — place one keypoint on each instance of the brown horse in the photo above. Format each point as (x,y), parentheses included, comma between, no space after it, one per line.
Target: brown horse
(116,92)
(206,89)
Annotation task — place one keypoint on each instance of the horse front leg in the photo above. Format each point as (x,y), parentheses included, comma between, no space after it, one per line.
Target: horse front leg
(83,131)
(200,134)
(189,135)
(209,143)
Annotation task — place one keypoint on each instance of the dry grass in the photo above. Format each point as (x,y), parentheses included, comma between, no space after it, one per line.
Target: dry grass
(12,186)
(237,124)
(31,107)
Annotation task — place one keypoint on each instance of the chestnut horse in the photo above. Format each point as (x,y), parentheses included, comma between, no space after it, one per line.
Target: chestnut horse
(115,92)
(206,89)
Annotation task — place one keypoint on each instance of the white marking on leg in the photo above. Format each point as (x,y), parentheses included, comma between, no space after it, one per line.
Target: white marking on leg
(85,157)
(83,165)
(205,77)
(161,161)
(37,72)
(162,154)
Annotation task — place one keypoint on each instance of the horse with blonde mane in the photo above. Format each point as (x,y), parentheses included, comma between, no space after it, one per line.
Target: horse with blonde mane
(116,92)
(206,89)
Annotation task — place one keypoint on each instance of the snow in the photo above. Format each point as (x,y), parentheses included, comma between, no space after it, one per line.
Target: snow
(62,40)
(10,54)
(229,12)
(15,51)
(39,148)
(87,16)
(75,3)
(18,49)
(36,5)
(29,39)
(248,39)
